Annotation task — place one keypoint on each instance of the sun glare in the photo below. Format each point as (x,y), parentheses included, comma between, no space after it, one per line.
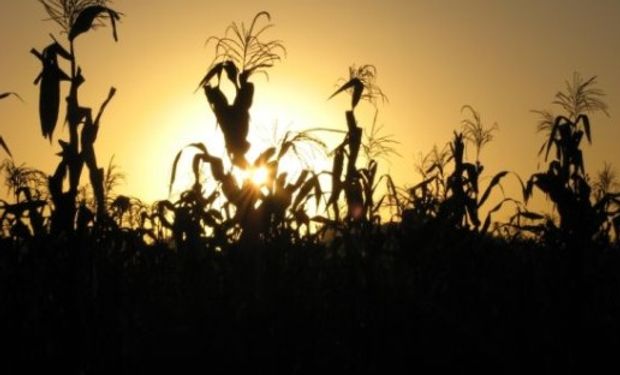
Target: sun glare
(258,175)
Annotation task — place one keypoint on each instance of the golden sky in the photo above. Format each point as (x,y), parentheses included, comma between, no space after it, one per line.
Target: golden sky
(502,57)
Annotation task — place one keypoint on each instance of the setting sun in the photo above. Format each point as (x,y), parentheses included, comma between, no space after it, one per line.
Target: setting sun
(258,175)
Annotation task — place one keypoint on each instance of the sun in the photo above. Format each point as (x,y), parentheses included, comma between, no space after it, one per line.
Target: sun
(258,176)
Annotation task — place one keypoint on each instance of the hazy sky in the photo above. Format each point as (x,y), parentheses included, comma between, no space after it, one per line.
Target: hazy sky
(502,57)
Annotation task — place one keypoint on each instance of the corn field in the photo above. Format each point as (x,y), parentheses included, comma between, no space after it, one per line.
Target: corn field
(339,270)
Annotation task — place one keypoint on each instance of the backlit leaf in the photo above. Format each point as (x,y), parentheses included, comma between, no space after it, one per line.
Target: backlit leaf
(305,189)
(174,170)
(494,181)
(5,147)
(358,88)
(87,17)
(264,157)
(7,94)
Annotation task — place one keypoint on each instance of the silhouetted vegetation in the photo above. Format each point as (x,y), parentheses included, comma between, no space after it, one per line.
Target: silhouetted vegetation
(288,273)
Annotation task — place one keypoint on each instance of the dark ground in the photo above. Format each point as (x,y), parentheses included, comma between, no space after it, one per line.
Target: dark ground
(386,303)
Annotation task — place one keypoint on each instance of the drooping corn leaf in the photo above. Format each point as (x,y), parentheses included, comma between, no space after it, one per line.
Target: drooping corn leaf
(7,94)
(305,189)
(264,157)
(205,155)
(196,162)
(358,88)
(300,180)
(231,72)
(494,182)
(5,147)
(559,121)
(85,20)
(174,170)
(487,221)
(216,70)
(105,103)
(586,126)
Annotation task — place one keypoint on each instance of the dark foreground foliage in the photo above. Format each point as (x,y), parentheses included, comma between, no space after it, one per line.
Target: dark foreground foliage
(390,299)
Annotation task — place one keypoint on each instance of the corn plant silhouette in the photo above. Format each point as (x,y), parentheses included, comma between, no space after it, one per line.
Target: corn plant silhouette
(455,199)
(582,218)
(258,211)
(239,54)
(75,17)
(463,200)
(358,185)
(605,192)
(28,187)
(251,211)
(565,182)
(424,199)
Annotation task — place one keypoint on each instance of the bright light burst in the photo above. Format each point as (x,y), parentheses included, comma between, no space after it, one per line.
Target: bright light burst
(258,176)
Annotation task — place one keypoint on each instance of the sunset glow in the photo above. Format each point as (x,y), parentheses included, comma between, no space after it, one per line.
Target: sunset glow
(161,56)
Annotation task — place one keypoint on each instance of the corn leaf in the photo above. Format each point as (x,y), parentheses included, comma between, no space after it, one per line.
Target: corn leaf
(196,162)
(318,191)
(531,215)
(487,221)
(494,182)
(174,170)
(85,20)
(559,121)
(216,70)
(5,147)
(305,189)
(586,126)
(300,180)
(358,88)
(231,71)
(264,157)
(217,168)
(7,94)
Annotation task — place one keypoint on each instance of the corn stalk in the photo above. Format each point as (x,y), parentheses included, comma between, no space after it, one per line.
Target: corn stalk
(75,18)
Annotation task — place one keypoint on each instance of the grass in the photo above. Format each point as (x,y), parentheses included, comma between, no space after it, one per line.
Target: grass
(239,275)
